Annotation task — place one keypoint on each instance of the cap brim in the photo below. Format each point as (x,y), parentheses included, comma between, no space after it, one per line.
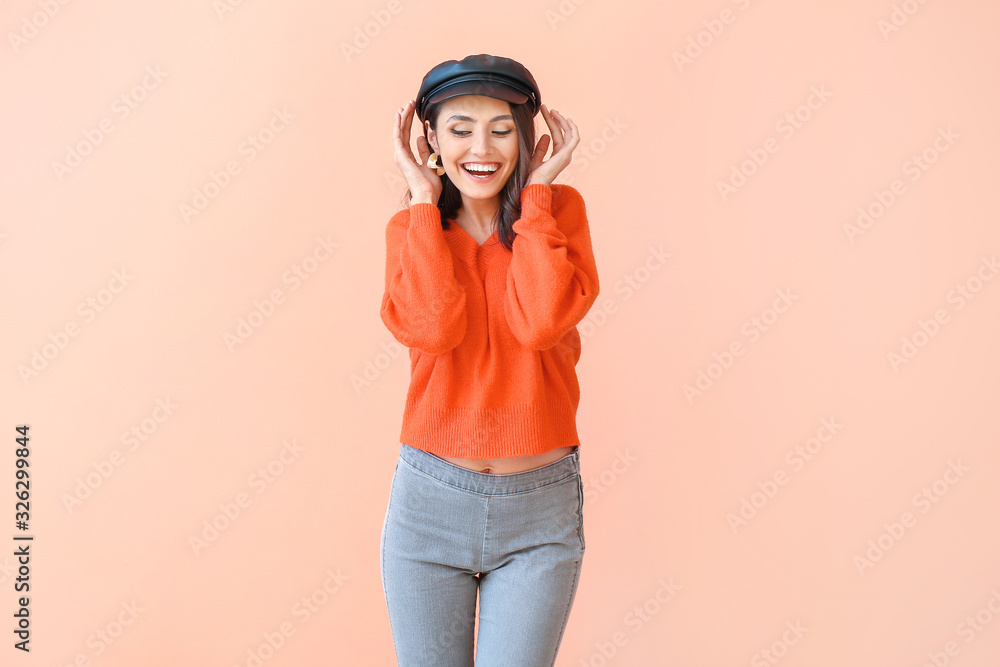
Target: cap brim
(487,88)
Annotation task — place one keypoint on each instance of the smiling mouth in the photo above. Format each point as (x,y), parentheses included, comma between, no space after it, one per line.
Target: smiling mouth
(481,171)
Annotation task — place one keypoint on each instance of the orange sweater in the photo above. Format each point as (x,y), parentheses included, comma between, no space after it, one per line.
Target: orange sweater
(492,333)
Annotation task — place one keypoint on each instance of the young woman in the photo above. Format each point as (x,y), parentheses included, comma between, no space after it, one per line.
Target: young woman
(488,272)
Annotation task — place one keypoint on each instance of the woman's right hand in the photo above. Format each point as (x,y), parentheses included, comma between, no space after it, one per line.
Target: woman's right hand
(424,183)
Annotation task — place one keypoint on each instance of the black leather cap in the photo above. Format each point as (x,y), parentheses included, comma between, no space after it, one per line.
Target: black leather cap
(482,74)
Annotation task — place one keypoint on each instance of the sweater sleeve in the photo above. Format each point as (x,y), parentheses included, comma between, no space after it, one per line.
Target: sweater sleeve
(423,304)
(552,280)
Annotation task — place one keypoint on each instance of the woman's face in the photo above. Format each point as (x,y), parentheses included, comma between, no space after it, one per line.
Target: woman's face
(476,130)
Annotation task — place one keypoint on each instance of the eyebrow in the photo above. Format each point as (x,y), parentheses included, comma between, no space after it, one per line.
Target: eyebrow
(468,118)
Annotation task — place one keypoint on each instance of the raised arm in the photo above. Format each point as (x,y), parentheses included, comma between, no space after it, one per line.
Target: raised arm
(424,304)
(552,281)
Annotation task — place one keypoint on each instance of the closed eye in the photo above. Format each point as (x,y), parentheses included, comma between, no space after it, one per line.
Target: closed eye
(462,133)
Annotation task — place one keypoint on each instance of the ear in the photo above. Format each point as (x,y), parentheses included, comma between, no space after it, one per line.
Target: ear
(431,136)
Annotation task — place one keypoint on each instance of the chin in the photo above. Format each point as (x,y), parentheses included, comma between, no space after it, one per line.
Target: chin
(470,190)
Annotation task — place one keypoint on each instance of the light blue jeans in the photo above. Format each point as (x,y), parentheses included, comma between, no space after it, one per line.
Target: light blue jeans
(516,540)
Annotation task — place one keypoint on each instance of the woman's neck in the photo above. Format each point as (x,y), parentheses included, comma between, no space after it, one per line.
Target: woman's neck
(476,215)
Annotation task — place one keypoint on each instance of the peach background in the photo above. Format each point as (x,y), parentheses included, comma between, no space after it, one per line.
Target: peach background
(323,371)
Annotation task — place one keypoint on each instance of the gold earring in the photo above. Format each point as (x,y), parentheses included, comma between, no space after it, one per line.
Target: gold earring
(432,162)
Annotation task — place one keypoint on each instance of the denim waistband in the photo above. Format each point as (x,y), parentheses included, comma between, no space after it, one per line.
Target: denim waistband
(489,483)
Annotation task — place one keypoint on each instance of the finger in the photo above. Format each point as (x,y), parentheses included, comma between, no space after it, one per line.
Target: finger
(568,124)
(540,149)
(398,128)
(547,116)
(572,136)
(553,119)
(423,150)
(397,139)
(407,124)
(557,141)
(408,109)
(556,128)
(563,126)
(563,121)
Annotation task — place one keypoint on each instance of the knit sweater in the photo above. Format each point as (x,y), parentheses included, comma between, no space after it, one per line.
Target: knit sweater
(492,333)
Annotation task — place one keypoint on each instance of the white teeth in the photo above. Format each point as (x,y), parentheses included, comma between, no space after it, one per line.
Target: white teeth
(481,168)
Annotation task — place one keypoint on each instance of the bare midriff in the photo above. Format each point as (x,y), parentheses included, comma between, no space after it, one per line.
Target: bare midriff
(510,464)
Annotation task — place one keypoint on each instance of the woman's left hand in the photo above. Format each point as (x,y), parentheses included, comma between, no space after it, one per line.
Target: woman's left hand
(565,138)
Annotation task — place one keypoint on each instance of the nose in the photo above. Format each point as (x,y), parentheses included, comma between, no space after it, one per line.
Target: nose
(481,144)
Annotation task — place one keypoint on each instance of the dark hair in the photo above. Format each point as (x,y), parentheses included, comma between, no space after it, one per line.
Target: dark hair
(509,209)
